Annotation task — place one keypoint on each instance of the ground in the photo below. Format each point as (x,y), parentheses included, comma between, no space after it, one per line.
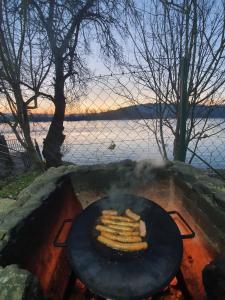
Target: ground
(11,186)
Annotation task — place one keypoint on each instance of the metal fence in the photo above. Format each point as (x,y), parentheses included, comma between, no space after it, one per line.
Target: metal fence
(13,157)
(112,118)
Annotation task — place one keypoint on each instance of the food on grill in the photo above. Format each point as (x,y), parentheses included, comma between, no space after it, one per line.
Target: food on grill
(103,228)
(122,246)
(120,238)
(117,218)
(142,228)
(110,212)
(132,215)
(121,227)
(123,233)
(118,222)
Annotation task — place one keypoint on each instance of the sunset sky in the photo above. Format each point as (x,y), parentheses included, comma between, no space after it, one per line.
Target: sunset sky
(102,95)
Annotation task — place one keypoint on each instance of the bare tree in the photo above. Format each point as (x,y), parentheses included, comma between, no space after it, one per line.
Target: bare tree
(22,70)
(179,47)
(71,26)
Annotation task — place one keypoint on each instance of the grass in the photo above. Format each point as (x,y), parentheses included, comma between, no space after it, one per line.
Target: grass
(12,185)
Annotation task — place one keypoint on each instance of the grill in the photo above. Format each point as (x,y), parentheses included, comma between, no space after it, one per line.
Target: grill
(112,274)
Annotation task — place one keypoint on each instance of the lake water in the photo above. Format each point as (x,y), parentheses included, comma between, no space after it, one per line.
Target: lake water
(88,142)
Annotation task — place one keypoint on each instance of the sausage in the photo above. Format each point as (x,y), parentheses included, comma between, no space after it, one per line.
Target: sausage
(122,246)
(143,230)
(117,218)
(132,215)
(119,238)
(111,212)
(103,228)
(122,228)
(115,222)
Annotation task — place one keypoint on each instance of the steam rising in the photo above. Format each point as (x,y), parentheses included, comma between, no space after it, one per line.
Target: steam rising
(133,175)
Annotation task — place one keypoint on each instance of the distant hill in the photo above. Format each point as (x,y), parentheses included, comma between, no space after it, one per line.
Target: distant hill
(150,111)
(141,111)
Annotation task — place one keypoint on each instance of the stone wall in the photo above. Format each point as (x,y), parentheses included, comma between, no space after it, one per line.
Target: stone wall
(28,227)
(29,200)
(205,199)
(18,284)
(124,175)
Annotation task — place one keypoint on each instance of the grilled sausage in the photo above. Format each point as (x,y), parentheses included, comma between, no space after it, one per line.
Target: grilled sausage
(117,218)
(119,238)
(142,228)
(132,215)
(103,228)
(122,228)
(111,212)
(116,222)
(122,246)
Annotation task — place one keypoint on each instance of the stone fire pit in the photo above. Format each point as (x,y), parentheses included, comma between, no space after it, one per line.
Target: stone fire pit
(170,184)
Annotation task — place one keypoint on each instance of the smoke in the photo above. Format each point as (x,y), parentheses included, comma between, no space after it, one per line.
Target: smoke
(144,168)
(132,175)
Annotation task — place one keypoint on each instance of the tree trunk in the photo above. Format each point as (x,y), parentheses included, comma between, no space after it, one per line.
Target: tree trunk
(55,137)
(25,126)
(30,148)
(176,145)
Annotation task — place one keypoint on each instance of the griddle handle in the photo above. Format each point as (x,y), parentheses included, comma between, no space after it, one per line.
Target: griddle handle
(184,236)
(61,244)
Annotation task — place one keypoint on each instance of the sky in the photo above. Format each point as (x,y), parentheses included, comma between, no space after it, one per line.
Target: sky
(103,93)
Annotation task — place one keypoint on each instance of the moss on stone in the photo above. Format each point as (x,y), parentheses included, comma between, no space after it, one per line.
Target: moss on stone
(18,284)
(43,185)
(11,186)
(6,205)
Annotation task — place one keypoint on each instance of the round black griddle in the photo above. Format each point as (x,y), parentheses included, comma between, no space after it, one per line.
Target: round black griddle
(117,275)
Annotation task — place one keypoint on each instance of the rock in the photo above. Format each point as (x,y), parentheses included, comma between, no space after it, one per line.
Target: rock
(219,198)
(6,205)
(18,284)
(100,176)
(214,279)
(201,187)
(28,200)
(205,195)
(44,184)
(186,171)
(124,174)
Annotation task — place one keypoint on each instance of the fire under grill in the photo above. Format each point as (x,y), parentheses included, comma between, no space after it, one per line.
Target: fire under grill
(176,289)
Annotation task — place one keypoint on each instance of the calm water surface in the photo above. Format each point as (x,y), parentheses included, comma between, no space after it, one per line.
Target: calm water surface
(90,142)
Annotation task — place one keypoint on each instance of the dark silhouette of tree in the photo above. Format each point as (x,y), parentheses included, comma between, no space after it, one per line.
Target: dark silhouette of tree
(179,48)
(70,27)
(22,72)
